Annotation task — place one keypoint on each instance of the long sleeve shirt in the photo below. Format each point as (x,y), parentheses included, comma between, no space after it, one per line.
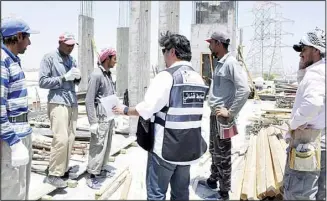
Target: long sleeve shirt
(14,100)
(309,105)
(100,85)
(229,87)
(53,66)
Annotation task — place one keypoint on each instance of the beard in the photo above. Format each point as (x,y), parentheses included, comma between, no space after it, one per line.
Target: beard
(307,64)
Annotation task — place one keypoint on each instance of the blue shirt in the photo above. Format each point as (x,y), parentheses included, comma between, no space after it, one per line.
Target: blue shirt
(53,66)
(14,100)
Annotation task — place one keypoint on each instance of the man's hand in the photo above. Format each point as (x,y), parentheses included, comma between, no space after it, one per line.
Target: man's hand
(118,110)
(302,127)
(222,112)
(76,72)
(19,154)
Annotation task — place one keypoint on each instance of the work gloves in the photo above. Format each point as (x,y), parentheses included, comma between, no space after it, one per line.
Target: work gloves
(94,128)
(19,154)
(72,74)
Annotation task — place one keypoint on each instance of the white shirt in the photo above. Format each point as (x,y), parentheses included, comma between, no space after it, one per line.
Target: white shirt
(156,97)
(309,106)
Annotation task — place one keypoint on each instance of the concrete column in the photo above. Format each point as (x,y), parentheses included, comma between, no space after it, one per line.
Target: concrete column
(122,60)
(139,54)
(85,50)
(168,21)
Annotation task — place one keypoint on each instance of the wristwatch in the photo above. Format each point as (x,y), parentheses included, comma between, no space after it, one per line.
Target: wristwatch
(125,110)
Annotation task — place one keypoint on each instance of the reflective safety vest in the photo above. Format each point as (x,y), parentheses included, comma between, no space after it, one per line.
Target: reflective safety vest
(181,140)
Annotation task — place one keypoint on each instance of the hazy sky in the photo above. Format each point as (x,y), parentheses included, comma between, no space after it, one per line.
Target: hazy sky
(53,17)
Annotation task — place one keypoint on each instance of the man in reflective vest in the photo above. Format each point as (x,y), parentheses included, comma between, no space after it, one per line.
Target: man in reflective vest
(175,101)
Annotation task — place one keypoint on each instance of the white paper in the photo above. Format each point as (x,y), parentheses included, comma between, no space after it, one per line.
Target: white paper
(108,103)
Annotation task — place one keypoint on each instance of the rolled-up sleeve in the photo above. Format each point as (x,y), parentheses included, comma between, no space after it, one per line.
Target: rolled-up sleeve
(312,103)
(7,132)
(46,80)
(157,95)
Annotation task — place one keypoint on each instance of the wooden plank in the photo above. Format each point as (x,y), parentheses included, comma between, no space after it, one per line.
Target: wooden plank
(277,110)
(110,182)
(126,187)
(247,188)
(125,142)
(261,165)
(275,152)
(270,178)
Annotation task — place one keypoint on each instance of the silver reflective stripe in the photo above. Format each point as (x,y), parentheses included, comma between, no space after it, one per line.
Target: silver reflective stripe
(185,111)
(161,115)
(183,125)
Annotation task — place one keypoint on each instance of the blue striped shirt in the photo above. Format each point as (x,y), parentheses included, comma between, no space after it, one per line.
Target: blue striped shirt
(13,97)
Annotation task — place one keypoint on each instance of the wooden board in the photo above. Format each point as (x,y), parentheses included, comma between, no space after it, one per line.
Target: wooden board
(120,142)
(270,178)
(38,188)
(261,165)
(248,187)
(277,110)
(275,153)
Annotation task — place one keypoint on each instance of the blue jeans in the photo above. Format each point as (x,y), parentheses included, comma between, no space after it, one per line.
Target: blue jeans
(160,173)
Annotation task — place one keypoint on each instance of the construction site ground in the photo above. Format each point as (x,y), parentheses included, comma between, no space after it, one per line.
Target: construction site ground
(135,159)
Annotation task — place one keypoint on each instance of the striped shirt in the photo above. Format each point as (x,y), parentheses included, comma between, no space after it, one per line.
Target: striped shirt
(13,97)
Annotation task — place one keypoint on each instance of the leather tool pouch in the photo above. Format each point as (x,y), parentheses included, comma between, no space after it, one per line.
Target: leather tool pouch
(308,160)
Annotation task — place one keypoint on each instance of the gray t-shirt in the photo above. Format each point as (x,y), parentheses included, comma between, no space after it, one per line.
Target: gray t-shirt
(229,87)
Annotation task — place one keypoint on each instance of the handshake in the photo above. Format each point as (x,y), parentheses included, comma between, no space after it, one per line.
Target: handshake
(73,74)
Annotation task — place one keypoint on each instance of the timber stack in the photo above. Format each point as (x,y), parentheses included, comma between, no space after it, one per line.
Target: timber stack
(264,165)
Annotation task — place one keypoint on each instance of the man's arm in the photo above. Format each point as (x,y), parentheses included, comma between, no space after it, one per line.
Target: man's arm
(92,89)
(156,97)
(7,132)
(241,86)
(46,80)
(312,103)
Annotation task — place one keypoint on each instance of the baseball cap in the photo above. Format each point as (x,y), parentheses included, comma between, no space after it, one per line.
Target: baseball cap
(315,38)
(68,38)
(105,53)
(219,36)
(12,26)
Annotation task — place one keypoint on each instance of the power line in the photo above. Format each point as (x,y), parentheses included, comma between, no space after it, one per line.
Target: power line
(265,55)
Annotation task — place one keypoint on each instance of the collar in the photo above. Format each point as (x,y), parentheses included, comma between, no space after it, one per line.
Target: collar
(7,51)
(223,59)
(179,63)
(322,61)
(104,70)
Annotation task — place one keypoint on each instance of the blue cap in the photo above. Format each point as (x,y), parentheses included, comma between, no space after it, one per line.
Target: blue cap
(12,26)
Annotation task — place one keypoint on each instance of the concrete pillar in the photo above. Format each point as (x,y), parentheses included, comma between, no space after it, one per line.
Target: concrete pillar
(122,60)
(139,54)
(85,50)
(168,21)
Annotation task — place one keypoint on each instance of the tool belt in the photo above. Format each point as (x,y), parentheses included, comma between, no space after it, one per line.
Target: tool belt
(305,152)
(19,119)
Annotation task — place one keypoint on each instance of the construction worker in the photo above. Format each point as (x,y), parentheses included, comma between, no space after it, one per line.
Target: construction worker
(229,92)
(100,85)
(15,138)
(59,74)
(175,100)
(308,118)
